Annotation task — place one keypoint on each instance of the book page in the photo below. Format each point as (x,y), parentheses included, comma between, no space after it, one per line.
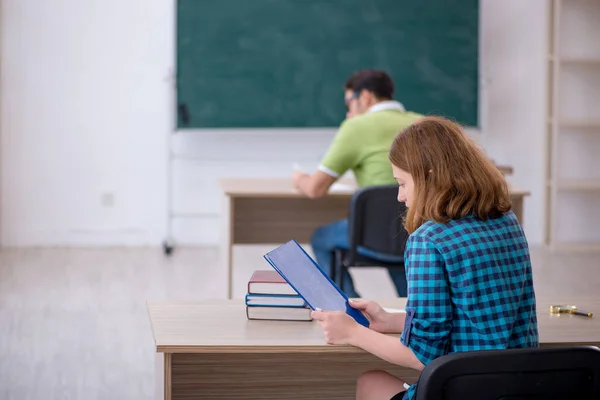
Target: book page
(394,310)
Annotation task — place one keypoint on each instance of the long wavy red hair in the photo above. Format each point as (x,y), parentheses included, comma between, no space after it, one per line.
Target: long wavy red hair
(452,176)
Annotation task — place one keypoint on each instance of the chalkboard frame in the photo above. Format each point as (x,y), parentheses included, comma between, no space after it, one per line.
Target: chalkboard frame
(190,114)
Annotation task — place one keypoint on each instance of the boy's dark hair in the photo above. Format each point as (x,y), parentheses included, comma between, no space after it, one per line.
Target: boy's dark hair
(374,80)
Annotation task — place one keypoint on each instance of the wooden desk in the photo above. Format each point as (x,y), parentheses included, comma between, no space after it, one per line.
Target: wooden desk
(272,211)
(505,169)
(210,350)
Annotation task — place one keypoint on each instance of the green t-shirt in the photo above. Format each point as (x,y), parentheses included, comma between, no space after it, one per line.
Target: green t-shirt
(362,144)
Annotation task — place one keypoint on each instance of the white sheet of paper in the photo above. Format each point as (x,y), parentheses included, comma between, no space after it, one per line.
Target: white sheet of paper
(394,310)
(340,187)
(298,167)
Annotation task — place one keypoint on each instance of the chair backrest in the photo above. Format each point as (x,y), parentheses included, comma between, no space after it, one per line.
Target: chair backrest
(515,374)
(375,221)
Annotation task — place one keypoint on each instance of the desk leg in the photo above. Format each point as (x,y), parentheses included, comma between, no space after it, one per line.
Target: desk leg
(227,242)
(162,376)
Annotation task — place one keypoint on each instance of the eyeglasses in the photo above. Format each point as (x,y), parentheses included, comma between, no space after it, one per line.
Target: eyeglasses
(348,99)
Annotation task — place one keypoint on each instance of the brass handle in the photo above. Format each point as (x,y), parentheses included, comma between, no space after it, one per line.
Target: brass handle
(587,314)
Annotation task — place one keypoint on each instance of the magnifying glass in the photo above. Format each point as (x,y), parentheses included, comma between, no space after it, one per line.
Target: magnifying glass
(568,309)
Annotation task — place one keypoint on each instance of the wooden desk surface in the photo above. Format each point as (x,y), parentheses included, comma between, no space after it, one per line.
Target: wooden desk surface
(221,326)
(282,187)
(505,169)
(275,187)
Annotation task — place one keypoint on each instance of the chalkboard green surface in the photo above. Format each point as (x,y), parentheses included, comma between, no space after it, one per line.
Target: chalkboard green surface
(283,63)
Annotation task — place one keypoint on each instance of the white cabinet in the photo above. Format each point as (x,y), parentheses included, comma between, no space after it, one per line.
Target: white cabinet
(573,175)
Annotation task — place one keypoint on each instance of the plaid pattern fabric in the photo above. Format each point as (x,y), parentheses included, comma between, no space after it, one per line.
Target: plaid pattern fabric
(470,287)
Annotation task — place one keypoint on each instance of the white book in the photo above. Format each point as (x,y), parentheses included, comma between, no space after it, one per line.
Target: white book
(279,313)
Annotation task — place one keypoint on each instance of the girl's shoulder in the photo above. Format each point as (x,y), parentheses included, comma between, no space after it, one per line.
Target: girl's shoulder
(467,227)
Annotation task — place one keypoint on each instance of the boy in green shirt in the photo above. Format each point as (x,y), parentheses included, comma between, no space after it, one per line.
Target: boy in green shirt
(362,145)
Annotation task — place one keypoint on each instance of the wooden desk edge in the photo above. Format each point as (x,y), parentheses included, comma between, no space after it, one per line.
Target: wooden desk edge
(233,193)
(320,349)
(270,195)
(172,349)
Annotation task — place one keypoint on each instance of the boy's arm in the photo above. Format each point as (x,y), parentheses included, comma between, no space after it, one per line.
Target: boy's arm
(313,186)
(341,156)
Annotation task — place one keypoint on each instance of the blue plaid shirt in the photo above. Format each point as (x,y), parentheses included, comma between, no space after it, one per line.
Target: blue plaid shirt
(470,288)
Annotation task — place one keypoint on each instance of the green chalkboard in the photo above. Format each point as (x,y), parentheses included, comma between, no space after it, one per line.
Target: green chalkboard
(283,63)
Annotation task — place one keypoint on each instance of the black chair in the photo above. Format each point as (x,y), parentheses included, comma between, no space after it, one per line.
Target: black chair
(516,374)
(374,225)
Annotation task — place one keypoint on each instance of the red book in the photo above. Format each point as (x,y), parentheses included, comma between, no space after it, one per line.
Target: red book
(269,282)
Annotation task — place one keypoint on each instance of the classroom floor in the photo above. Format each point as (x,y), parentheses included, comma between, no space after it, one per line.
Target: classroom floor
(73,323)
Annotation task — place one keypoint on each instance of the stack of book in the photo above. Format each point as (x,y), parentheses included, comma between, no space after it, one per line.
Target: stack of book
(270,297)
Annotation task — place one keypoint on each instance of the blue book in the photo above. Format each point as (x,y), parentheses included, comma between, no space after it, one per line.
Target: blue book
(309,281)
(274,300)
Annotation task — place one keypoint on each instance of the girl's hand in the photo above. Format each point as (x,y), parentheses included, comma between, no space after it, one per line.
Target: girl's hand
(380,320)
(338,326)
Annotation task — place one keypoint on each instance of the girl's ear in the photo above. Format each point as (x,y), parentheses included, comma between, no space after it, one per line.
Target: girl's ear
(429,174)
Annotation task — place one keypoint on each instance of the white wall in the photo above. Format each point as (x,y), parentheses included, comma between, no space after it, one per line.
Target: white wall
(85,111)
(86,116)
(514,51)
